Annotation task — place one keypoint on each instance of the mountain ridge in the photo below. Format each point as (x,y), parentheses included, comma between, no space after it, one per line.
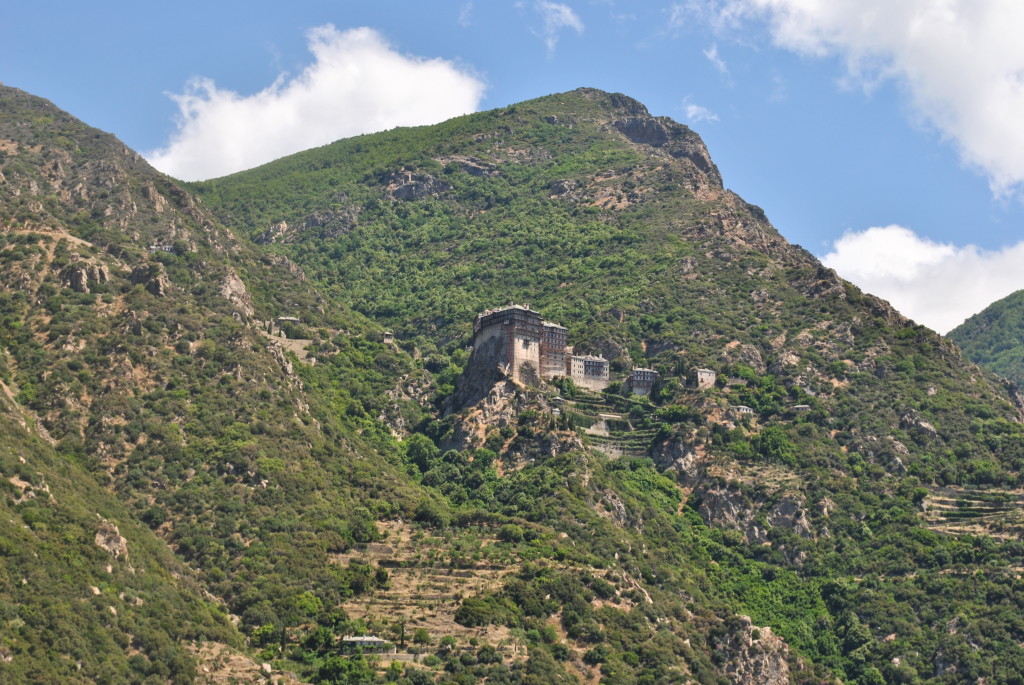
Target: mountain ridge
(992,338)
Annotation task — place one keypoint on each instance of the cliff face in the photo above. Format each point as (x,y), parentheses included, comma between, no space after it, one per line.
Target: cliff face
(754,655)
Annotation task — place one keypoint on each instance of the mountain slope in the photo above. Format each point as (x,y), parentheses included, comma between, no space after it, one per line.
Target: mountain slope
(132,342)
(313,480)
(994,337)
(89,594)
(616,224)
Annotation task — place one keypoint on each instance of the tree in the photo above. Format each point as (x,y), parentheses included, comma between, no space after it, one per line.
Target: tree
(338,670)
(774,445)
(420,450)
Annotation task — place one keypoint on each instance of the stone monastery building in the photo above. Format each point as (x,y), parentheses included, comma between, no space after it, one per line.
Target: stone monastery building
(533,350)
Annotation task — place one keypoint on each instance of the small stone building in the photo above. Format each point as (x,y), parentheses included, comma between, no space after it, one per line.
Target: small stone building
(367,644)
(702,378)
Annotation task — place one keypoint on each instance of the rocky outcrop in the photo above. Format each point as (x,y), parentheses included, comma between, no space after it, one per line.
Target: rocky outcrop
(754,656)
(911,421)
(672,138)
(407,185)
(485,369)
(737,352)
(642,130)
(498,407)
(153,277)
(563,187)
(273,234)
(683,458)
(729,507)
(338,220)
(790,514)
(726,504)
(234,291)
(470,165)
(79,276)
(108,537)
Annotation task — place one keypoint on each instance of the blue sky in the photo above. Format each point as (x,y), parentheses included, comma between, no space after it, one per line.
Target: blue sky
(882,136)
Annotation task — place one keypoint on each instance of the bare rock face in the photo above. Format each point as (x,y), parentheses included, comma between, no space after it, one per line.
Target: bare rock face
(407,185)
(153,277)
(153,195)
(744,354)
(613,350)
(482,373)
(642,130)
(109,538)
(280,261)
(76,278)
(273,234)
(672,138)
(790,514)
(912,421)
(496,409)
(471,166)
(754,656)
(234,291)
(562,187)
(79,276)
(785,358)
(99,273)
(684,458)
(727,508)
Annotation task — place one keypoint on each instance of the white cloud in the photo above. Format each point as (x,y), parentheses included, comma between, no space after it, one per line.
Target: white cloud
(712,55)
(695,113)
(937,284)
(356,84)
(466,14)
(677,15)
(961,62)
(556,17)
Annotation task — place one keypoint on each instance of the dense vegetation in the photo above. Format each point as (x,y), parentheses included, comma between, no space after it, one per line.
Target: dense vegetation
(994,337)
(284,483)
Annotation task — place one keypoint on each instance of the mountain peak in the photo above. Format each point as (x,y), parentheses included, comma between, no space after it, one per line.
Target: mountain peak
(616,101)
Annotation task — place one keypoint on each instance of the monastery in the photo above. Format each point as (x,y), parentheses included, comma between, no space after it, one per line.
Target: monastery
(532,350)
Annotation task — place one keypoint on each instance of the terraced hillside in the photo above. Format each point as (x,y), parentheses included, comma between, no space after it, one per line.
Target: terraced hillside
(997,513)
